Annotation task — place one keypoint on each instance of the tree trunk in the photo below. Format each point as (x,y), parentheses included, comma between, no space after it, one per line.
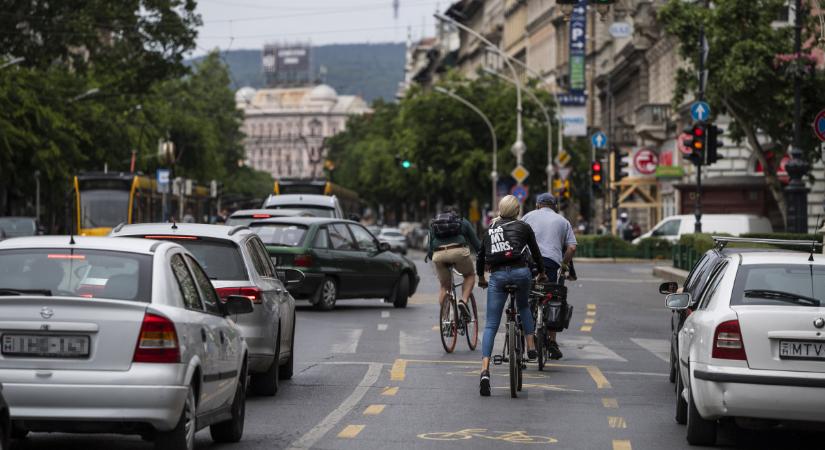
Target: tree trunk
(769,170)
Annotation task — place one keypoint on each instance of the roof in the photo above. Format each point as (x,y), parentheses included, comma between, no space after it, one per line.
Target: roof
(270,211)
(81,242)
(301,199)
(780,257)
(183,229)
(308,221)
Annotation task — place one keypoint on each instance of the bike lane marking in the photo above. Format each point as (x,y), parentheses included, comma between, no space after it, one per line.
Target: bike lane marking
(374,410)
(619,444)
(390,391)
(616,422)
(610,403)
(399,370)
(351,431)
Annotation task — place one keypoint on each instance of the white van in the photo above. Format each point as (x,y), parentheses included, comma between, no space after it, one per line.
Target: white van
(673,227)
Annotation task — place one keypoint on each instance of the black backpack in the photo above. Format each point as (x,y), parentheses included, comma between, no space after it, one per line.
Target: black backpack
(446,225)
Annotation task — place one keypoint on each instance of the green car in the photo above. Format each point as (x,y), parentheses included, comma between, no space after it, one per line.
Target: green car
(340,259)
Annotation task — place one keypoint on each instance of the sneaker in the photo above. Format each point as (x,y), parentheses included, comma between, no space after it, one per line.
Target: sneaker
(532,354)
(484,384)
(555,351)
(464,311)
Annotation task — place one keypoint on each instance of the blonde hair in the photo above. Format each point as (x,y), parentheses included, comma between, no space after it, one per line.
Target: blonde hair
(508,207)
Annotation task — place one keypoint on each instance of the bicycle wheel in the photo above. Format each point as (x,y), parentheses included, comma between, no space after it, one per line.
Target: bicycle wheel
(471,327)
(515,364)
(520,355)
(540,344)
(447,325)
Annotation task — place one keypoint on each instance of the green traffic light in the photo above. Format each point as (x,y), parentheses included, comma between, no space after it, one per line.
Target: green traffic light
(406,164)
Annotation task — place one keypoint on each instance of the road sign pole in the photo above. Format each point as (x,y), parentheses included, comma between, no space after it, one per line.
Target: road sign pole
(703,54)
(591,210)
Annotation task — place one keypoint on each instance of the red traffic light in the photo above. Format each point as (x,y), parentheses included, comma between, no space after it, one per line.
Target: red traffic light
(597,166)
(698,131)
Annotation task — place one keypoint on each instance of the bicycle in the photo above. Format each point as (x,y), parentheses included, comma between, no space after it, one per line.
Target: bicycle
(513,437)
(539,296)
(455,320)
(513,349)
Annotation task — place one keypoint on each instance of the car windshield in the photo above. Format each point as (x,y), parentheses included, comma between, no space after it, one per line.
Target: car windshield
(221,259)
(76,273)
(17,226)
(315,210)
(238,221)
(391,234)
(103,207)
(283,235)
(779,284)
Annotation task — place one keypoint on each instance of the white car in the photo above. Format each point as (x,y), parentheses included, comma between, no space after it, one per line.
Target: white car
(153,352)
(672,228)
(753,349)
(394,237)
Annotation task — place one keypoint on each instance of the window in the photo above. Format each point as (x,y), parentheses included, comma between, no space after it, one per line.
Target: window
(221,259)
(340,238)
(281,234)
(256,258)
(321,239)
(208,294)
(797,279)
(364,239)
(715,279)
(260,257)
(269,266)
(187,284)
(669,228)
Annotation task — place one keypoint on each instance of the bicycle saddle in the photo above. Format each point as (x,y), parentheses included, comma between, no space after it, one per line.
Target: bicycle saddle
(511,288)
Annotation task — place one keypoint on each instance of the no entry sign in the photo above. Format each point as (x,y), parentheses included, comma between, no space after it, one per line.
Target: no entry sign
(645,161)
(819,125)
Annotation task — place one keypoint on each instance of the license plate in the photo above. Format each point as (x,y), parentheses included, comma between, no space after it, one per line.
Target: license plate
(801,350)
(45,346)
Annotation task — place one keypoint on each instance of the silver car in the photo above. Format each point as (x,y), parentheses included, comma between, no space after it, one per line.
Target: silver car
(237,263)
(393,236)
(153,352)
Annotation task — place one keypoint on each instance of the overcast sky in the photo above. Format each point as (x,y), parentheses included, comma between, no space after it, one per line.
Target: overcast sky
(253,23)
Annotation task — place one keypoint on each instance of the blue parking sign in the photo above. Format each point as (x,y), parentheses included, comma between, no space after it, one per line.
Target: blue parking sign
(520,191)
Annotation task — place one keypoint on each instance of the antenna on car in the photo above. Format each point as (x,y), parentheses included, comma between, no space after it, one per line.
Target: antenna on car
(174,225)
(813,242)
(71,239)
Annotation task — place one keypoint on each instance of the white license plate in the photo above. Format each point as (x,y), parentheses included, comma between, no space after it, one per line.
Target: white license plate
(45,346)
(801,350)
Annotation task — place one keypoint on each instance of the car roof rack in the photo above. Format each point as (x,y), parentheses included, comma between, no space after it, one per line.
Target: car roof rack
(722,241)
(237,229)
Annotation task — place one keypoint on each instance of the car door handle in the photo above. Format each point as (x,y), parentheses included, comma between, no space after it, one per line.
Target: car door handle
(223,338)
(203,335)
(279,290)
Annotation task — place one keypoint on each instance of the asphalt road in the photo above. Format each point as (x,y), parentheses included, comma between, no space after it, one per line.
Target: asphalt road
(369,376)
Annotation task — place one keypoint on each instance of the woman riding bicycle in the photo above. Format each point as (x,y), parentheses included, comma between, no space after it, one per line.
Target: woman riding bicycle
(503,251)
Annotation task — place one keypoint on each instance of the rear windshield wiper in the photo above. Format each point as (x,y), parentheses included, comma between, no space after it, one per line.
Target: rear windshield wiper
(4,291)
(789,297)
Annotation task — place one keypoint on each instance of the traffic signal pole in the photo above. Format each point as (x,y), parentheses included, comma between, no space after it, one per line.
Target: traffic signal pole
(697,209)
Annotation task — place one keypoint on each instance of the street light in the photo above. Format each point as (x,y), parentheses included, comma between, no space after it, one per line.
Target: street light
(494,173)
(12,62)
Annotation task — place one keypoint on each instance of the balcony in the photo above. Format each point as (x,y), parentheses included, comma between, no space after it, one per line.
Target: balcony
(652,121)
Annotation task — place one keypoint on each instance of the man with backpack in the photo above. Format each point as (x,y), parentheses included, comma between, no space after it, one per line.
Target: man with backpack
(450,239)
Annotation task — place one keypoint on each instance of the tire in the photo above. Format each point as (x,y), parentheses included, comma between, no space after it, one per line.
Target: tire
(266,384)
(182,437)
(4,442)
(325,296)
(520,356)
(232,429)
(681,404)
(515,364)
(540,346)
(673,366)
(471,329)
(700,431)
(402,291)
(288,368)
(18,433)
(447,325)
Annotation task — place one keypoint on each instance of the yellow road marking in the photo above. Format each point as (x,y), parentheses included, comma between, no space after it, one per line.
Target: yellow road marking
(616,422)
(350,431)
(398,372)
(591,306)
(374,410)
(586,328)
(610,403)
(435,327)
(390,391)
(621,445)
(546,387)
(589,321)
(591,313)
(597,376)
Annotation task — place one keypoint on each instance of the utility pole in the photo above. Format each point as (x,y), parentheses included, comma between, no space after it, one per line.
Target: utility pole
(703,78)
(796,194)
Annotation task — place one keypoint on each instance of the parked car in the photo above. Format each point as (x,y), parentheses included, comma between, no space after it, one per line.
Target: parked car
(237,263)
(340,259)
(396,240)
(247,216)
(5,422)
(752,349)
(11,226)
(673,227)
(154,352)
(317,205)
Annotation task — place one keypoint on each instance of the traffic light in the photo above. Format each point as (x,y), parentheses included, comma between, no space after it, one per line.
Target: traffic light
(713,142)
(695,141)
(619,163)
(596,175)
(406,164)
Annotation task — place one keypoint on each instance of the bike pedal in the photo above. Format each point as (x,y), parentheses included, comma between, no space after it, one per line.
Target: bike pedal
(498,360)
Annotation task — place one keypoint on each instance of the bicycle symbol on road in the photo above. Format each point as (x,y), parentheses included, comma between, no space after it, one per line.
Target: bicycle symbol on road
(513,437)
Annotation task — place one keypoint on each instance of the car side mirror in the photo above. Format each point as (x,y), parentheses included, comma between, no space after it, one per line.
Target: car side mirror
(236,304)
(678,302)
(669,287)
(293,277)
(383,246)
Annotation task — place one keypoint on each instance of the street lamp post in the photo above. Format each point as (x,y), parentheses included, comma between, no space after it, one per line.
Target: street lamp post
(37,196)
(796,193)
(494,173)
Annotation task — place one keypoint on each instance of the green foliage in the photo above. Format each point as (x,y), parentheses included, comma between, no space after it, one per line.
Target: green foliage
(610,246)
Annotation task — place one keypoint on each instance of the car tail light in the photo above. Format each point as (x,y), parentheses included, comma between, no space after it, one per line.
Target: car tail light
(252,293)
(302,261)
(727,341)
(157,341)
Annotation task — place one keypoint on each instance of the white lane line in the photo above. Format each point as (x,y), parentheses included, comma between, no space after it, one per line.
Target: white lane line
(317,432)
(349,344)
(411,344)
(385,314)
(382,327)
(585,347)
(659,347)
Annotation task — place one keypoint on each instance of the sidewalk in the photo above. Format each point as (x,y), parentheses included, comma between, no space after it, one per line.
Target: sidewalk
(670,273)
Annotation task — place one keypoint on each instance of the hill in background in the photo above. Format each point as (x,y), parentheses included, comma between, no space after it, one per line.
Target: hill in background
(370,70)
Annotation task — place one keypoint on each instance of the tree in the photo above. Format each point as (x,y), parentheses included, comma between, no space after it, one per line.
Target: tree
(751,71)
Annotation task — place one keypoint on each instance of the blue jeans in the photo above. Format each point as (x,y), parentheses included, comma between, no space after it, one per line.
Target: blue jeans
(497,299)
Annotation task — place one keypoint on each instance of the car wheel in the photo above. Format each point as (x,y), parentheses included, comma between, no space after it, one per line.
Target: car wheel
(232,429)
(285,371)
(673,366)
(267,383)
(18,433)
(326,295)
(182,437)
(681,404)
(700,431)
(402,291)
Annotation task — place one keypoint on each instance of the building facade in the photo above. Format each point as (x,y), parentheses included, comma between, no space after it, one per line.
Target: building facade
(286,128)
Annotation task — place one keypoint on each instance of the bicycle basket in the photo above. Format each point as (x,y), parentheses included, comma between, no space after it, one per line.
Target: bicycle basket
(557,315)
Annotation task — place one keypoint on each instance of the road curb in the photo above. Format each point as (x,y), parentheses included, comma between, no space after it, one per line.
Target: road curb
(612,260)
(670,273)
